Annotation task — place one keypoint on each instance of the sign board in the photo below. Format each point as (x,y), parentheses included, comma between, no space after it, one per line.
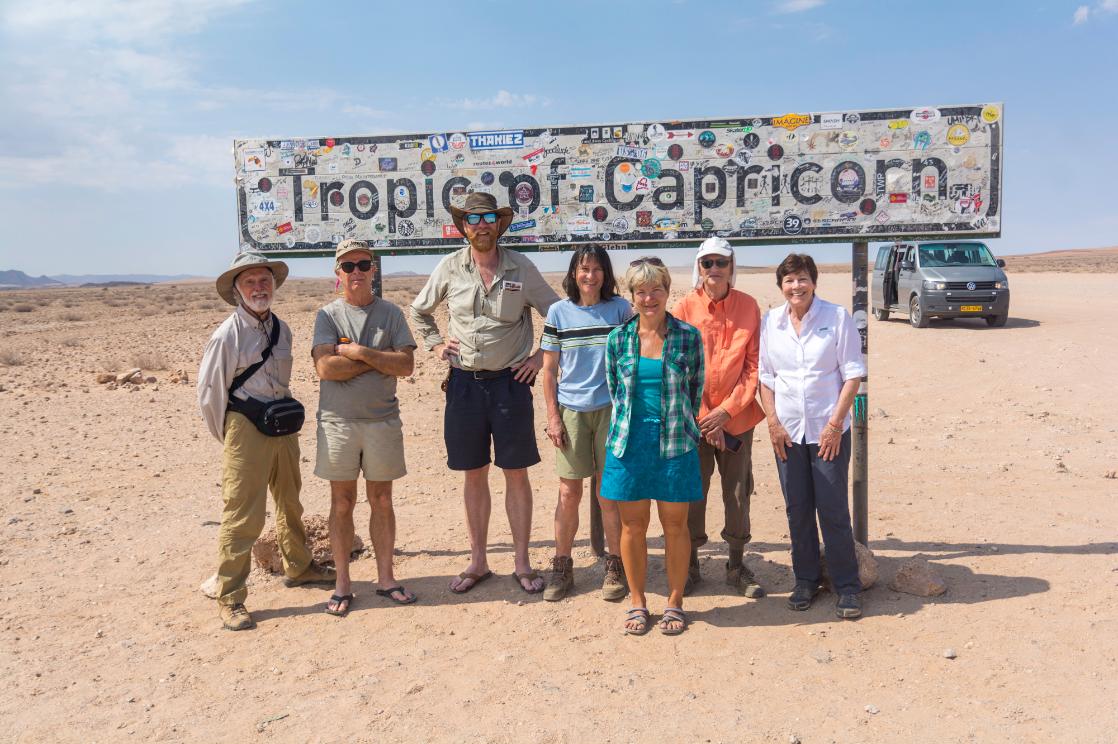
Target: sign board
(797,177)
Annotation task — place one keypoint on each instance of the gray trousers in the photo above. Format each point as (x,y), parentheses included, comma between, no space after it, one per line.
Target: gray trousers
(813,486)
(735,469)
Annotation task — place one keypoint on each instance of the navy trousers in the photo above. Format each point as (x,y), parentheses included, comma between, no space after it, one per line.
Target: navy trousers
(813,486)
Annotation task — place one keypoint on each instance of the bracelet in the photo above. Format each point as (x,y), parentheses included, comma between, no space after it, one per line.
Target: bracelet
(834,428)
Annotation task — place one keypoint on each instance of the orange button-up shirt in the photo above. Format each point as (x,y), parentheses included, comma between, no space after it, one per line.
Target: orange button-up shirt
(731,331)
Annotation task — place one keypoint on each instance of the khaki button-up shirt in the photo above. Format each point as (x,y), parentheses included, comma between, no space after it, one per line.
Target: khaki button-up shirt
(236,345)
(493,324)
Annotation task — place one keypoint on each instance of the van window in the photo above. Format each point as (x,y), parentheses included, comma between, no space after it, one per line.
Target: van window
(955,254)
(882,257)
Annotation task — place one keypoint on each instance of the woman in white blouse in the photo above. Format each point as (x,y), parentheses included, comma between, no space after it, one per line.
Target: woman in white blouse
(810,368)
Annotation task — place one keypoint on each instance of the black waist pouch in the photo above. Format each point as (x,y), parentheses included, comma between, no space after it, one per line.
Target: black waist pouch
(276,418)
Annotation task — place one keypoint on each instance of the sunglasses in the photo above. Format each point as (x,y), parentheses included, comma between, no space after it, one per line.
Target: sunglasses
(362,265)
(721,263)
(648,260)
(474,219)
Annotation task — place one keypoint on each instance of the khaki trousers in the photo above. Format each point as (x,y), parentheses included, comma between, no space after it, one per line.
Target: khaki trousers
(736,473)
(253,463)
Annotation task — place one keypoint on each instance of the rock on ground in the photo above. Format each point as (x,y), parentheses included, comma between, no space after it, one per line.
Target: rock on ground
(917,576)
(867,567)
(266,554)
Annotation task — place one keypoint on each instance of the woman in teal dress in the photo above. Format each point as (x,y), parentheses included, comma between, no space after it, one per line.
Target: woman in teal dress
(654,369)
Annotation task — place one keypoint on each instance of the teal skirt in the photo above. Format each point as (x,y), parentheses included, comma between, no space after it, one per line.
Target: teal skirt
(642,474)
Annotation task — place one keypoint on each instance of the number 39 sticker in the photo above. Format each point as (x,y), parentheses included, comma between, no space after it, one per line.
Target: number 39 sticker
(792,224)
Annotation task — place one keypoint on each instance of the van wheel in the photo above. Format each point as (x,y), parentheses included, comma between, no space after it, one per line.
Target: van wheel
(996,321)
(916,314)
(880,314)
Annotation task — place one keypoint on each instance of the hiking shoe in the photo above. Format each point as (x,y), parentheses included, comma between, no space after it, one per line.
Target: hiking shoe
(236,617)
(694,578)
(613,585)
(849,606)
(560,579)
(802,594)
(742,579)
(315,574)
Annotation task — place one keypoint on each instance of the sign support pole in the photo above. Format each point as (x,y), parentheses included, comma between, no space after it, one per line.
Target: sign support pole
(860,428)
(378,282)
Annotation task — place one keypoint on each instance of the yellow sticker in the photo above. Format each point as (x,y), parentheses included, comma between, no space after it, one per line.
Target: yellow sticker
(426,154)
(990,114)
(898,123)
(958,135)
(792,121)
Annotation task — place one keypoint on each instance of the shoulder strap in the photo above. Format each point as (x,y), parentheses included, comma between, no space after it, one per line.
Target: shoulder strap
(242,378)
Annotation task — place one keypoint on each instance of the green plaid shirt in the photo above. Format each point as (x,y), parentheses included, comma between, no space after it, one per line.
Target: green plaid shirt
(681,388)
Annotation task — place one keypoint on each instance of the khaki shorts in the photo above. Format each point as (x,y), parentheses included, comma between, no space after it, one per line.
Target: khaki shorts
(585,453)
(348,447)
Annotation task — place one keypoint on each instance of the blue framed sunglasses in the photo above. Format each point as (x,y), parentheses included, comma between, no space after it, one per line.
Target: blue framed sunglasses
(474,219)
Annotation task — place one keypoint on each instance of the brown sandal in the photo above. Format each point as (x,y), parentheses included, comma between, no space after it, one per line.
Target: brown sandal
(530,576)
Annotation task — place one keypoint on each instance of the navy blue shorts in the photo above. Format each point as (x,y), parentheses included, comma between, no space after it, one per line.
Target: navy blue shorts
(498,409)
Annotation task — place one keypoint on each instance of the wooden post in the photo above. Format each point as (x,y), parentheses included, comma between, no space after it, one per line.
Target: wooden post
(860,428)
(377,283)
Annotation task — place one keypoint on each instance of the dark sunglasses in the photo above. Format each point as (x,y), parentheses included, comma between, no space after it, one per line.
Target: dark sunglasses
(648,260)
(348,266)
(721,263)
(489,217)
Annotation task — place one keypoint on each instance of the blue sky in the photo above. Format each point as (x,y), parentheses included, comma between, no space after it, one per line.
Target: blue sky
(118,117)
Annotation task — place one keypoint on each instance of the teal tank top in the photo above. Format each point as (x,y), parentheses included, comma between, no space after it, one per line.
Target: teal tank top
(646,396)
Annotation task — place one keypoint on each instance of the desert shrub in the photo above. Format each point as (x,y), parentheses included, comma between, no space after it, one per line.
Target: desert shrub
(72,316)
(71,341)
(23,308)
(113,302)
(149,361)
(10,357)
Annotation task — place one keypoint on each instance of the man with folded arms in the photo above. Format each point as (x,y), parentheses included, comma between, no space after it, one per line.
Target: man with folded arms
(253,462)
(490,292)
(361,345)
(729,321)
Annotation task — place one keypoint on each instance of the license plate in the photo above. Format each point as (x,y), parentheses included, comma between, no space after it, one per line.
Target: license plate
(971,308)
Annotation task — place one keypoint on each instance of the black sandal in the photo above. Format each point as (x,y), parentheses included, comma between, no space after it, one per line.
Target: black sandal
(398,588)
(337,600)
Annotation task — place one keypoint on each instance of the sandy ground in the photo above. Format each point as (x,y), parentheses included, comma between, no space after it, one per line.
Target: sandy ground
(989,450)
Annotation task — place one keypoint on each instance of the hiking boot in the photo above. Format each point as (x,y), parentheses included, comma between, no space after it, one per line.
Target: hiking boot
(236,617)
(694,578)
(315,574)
(560,579)
(742,579)
(849,606)
(802,594)
(613,585)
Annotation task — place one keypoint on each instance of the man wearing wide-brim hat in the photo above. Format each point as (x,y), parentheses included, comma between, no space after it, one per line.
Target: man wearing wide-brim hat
(253,462)
(490,292)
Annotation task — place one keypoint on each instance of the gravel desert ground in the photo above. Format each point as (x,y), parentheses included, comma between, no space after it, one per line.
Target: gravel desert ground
(992,454)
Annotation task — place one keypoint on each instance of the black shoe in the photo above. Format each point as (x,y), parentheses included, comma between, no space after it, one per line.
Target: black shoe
(802,594)
(849,606)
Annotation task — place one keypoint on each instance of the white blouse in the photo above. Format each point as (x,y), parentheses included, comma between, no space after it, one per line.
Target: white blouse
(806,372)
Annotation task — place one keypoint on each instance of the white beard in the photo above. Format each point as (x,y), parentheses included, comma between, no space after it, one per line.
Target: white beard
(259,306)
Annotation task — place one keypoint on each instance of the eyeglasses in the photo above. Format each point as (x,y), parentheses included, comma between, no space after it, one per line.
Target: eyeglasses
(721,263)
(474,219)
(648,260)
(362,265)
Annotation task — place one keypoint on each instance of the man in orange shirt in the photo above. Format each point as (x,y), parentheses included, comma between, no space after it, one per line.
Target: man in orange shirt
(730,323)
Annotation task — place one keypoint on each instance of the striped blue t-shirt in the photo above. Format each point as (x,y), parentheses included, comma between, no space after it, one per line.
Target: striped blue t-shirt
(579,335)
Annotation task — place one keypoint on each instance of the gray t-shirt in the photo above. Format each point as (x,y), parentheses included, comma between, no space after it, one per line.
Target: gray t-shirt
(370,396)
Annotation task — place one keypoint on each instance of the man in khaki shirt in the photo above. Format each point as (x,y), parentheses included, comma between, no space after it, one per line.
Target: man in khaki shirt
(490,292)
(253,462)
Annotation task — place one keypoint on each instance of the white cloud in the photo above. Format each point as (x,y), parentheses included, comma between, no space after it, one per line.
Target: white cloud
(501,99)
(797,6)
(116,20)
(1111,6)
(1081,14)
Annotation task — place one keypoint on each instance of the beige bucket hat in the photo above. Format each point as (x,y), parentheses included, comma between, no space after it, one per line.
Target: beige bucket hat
(243,262)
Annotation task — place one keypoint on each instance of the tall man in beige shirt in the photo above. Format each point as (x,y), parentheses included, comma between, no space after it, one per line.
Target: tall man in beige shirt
(252,461)
(490,292)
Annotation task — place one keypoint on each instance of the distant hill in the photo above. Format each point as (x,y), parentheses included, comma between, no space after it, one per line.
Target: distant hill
(114,278)
(18,280)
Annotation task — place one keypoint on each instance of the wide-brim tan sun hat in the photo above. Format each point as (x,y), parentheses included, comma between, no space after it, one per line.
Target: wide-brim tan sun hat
(480,203)
(244,262)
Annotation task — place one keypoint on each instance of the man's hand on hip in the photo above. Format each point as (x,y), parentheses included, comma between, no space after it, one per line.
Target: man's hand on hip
(527,370)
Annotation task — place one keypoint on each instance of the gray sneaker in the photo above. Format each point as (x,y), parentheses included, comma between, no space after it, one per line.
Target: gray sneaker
(560,579)
(614,586)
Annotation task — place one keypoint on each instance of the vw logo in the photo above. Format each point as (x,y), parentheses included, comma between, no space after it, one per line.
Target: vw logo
(970,286)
